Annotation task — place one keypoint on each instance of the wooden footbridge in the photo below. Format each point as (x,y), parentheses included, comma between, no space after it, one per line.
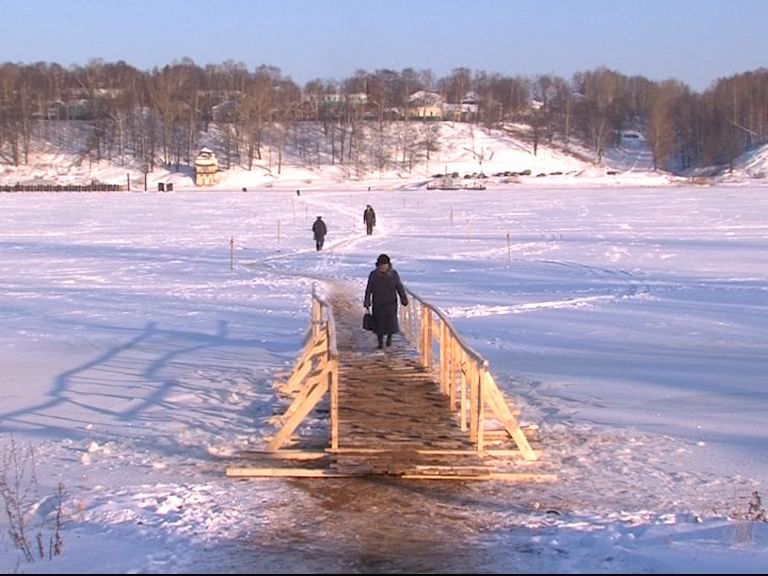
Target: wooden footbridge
(427,407)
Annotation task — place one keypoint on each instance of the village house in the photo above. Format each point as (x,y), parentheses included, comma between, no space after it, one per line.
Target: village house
(424,105)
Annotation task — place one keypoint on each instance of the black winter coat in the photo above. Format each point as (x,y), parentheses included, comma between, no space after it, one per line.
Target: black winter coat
(319,229)
(382,291)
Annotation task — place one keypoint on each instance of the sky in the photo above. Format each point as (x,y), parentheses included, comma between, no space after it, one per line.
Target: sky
(627,317)
(694,41)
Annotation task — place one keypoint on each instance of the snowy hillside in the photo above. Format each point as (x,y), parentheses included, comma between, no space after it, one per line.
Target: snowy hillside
(754,163)
(458,147)
(469,150)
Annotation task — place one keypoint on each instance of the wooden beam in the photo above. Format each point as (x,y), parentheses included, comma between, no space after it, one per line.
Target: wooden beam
(305,363)
(285,473)
(300,396)
(285,454)
(301,411)
(503,413)
(482,372)
(433,451)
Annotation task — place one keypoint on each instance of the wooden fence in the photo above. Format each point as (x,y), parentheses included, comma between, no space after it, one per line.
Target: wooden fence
(315,373)
(464,375)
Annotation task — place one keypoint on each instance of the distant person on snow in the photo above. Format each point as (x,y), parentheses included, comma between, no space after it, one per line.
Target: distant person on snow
(383,288)
(319,229)
(369,217)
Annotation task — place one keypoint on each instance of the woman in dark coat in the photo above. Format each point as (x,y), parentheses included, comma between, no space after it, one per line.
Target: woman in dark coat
(384,286)
(319,229)
(369,217)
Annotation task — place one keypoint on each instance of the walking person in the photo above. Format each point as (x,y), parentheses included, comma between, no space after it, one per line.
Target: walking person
(319,229)
(383,288)
(369,217)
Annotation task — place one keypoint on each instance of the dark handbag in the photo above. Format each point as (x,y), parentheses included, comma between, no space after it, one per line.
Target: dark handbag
(368,322)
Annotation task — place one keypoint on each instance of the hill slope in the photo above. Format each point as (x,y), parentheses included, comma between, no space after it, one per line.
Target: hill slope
(396,157)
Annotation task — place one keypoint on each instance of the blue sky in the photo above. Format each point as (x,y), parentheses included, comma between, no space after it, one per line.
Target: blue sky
(694,41)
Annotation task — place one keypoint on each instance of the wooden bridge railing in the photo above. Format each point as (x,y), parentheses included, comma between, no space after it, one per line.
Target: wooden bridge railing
(314,373)
(464,375)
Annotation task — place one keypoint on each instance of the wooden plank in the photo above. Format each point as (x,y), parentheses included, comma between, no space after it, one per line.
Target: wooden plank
(334,377)
(285,473)
(252,472)
(425,451)
(285,454)
(481,399)
(474,396)
(443,352)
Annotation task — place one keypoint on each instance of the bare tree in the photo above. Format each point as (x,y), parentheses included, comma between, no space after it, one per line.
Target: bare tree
(599,91)
(254,109)
(563,107)
(457,85)
(662,130)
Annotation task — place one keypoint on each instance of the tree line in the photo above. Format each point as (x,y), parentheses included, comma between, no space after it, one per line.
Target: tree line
(157,116)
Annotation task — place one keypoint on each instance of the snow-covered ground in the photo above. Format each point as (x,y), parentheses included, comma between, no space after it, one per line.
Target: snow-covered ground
(629,322)
(630,325)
